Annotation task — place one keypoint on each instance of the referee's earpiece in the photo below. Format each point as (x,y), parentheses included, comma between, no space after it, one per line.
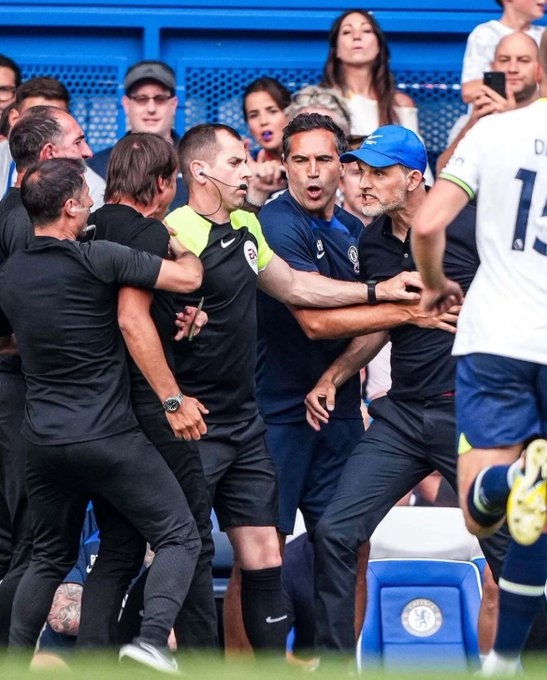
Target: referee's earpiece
(201,171)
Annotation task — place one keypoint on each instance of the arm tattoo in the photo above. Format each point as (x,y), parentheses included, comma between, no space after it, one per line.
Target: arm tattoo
(64,615)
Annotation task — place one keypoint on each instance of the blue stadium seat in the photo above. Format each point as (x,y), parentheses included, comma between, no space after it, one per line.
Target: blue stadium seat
(480,563)
(421,613)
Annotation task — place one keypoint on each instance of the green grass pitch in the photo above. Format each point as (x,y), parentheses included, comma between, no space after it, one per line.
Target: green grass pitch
(105,666)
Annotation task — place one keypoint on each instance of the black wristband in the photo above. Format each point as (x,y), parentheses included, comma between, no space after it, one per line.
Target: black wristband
(371,293)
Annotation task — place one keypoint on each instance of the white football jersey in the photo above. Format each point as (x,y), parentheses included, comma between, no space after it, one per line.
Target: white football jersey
(503,159)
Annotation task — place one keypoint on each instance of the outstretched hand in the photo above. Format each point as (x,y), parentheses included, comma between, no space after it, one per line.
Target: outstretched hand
(406,287)
(441,298)
(445,321)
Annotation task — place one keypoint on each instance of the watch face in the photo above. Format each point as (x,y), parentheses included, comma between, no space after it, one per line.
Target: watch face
(171,405)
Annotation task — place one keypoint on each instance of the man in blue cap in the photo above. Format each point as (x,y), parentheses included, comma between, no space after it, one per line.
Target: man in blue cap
(413,428)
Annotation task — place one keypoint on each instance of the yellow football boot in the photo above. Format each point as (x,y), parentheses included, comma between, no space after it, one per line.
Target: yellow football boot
(527,502)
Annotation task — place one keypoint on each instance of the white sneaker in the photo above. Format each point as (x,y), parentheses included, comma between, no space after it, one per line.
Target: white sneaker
(498,666)
(527,503)
(148,655)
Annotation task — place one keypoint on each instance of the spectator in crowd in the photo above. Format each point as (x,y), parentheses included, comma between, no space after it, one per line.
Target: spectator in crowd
(10,79)
(501,348)
(150,104)
(83,439)
(264,104)
(349,192)
(236,258)
(5,124)
(140,188)
(518,15)
(42,132)
(357,66)
(44,92)
(326,101)
(516,55)
(413,428)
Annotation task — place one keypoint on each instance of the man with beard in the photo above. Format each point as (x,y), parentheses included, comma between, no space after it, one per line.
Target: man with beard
(413,428)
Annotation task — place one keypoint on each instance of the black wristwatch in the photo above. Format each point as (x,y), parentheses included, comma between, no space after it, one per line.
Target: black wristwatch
(371,292)
(172,404)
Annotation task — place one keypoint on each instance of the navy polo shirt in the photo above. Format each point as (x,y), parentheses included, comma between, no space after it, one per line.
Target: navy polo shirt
(289,364)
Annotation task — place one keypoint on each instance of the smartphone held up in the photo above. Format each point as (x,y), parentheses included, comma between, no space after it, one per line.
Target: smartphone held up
(496,81)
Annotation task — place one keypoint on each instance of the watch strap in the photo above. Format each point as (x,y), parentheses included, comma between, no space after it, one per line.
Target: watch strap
(177,397)
(371,293)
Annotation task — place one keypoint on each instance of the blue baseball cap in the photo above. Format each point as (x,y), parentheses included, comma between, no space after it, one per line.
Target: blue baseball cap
(390,145)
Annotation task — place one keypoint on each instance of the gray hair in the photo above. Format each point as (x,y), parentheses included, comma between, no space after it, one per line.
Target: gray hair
(314,97)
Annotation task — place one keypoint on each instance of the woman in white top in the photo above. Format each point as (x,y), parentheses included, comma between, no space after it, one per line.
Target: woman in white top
(357,65)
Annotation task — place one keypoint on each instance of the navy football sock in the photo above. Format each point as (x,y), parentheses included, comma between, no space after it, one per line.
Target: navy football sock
(522,585)
(487,497)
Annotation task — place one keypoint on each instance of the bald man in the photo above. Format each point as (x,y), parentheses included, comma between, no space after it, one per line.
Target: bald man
(516,55)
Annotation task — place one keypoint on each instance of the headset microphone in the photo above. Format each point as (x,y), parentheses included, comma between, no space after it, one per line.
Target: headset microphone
(241,186)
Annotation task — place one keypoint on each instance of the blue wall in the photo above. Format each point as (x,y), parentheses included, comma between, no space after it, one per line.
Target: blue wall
(217,46)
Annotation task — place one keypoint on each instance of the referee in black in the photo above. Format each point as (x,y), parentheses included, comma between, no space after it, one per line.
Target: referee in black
(59,297)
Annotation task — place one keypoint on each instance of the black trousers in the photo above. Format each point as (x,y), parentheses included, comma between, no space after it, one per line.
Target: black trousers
(16,521)
(127,473)
(118,563)
(5,538)
(405,442)
(196,625)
